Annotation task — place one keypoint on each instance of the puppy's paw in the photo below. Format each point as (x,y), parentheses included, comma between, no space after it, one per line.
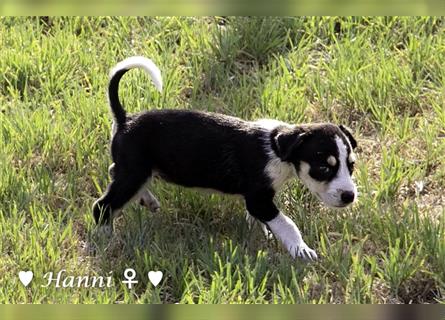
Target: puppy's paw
(105,230)
(304,252)
(287,232)
(154,205)
(150,202)
(267,233)
(102,212)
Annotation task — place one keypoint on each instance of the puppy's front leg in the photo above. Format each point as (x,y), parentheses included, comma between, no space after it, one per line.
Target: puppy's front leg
(251,220)
(261,206)
(287,231)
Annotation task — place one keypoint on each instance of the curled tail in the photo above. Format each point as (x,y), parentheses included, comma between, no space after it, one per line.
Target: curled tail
(115,76)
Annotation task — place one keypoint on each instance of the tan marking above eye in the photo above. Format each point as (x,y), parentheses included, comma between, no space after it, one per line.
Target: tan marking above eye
(352,157)
(332,161)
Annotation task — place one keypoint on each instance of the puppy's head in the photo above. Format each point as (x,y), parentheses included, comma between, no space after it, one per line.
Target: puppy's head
(324,159)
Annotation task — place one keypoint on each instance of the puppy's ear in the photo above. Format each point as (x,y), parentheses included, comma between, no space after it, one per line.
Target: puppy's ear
(348,132)
(287,141)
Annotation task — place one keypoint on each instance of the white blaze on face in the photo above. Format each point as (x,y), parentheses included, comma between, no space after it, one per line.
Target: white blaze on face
(343,180)
(330,192)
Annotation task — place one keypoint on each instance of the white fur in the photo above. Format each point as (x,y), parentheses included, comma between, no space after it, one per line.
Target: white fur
(140,62)
(343,181)
(287,232)
(330,193)
(278,171)
(270,124)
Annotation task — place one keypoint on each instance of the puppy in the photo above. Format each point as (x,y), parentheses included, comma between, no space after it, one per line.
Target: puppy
(227,154)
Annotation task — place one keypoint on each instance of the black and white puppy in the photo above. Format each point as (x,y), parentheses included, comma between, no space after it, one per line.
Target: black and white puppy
(227,154)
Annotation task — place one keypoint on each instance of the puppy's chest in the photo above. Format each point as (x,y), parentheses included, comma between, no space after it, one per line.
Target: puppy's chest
(279,172)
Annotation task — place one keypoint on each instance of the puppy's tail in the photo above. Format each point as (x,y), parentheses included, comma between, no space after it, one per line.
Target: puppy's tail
(115,76)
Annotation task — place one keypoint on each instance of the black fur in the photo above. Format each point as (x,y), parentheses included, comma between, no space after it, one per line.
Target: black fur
(113,97)
(189,148)
(313,144)
(285,140)
(348,132)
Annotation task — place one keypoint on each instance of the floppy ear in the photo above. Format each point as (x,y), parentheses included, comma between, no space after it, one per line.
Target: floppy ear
(348,132)
(288,141)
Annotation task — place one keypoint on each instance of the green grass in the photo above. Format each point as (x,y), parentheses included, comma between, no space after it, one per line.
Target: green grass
(383,77)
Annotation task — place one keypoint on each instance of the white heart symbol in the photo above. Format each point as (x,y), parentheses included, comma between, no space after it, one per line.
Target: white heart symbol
(155,277)
(25,277)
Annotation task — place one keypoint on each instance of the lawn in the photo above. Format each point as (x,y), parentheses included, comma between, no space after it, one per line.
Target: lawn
(382,77)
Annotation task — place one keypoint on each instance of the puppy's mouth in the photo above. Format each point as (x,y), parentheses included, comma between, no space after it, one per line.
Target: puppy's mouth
(341,205)
(318,196)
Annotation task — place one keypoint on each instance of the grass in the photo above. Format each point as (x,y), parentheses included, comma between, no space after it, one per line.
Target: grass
(383,77)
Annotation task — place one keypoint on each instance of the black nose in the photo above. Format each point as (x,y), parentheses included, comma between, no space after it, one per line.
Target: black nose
(347,196)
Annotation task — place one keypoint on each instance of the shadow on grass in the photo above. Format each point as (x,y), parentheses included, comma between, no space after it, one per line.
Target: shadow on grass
(194,244)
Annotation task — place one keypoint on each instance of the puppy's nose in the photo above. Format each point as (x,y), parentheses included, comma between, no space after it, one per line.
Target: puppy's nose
(347,197)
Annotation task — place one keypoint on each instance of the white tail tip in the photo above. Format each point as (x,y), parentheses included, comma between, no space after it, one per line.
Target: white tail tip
(140,62)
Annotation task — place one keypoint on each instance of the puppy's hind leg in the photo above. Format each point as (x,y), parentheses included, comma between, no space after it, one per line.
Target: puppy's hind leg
(145,197)
(122,189)
(149,200)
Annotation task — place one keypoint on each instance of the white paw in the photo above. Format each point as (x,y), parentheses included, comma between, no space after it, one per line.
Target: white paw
(304,252)
(286,231)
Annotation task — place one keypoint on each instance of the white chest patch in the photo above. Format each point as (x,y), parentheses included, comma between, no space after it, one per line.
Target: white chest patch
(278,171)
(343,180)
